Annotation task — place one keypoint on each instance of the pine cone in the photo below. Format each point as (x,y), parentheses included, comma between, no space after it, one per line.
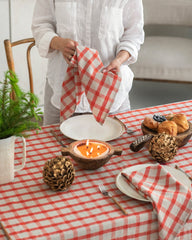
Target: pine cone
(58,173)
(163,147)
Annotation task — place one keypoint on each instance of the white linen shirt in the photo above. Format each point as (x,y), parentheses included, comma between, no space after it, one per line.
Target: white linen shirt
(106,25)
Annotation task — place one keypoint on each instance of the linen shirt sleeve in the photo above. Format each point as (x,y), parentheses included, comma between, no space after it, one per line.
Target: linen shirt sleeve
(133,35)
(43,26)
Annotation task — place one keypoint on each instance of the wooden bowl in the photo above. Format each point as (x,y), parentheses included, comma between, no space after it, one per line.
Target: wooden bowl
(182,138)
(89,163)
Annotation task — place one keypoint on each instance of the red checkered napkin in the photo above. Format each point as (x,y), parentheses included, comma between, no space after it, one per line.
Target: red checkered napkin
(84,75)
(171,200)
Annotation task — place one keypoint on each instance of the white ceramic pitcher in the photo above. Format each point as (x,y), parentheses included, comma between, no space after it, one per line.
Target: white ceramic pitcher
(7,150)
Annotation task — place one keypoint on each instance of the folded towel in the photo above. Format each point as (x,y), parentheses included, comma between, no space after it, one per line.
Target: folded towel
(84,75)
(170,199)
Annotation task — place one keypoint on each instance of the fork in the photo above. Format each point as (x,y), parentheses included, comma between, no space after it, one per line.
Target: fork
(106,193)
(128,130)
(57,138)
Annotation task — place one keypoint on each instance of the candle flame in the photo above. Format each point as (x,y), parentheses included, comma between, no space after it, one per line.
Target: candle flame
(87,143)
(91,150)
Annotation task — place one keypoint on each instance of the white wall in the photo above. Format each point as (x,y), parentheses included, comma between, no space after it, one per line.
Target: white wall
(4,33)
(20,14)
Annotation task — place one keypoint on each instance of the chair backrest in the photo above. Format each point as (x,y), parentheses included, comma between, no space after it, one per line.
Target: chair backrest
(169,12)
(10,59)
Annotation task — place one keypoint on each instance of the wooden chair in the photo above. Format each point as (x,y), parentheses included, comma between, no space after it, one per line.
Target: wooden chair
(10,59)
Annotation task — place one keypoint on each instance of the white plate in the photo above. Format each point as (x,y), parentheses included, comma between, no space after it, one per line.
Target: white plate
(86,127)
(125,188)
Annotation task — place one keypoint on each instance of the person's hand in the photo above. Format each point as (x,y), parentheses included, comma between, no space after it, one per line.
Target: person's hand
(64,45)
(115,64)
(67,47)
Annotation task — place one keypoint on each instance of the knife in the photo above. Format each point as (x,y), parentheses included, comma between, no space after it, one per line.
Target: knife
(180,169)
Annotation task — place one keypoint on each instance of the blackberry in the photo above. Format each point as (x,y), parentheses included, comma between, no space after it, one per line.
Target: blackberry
(159,118)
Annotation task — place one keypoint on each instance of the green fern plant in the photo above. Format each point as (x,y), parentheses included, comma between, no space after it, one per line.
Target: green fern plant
(20,114)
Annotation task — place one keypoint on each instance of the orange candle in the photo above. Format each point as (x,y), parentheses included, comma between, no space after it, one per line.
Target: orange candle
(92,149)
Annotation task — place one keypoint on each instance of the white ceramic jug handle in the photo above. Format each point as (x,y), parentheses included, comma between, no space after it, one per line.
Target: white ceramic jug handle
(17,168)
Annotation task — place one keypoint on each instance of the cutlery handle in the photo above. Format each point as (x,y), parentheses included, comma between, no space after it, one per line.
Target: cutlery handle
(118,204)
(140,142)
(5,231)
(57,138)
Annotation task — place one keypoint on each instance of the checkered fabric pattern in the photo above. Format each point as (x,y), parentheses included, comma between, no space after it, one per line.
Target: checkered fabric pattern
(84,75)
(29,210)
(171,200)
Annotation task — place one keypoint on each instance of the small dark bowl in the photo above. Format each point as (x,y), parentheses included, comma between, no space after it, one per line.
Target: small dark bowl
(90,163)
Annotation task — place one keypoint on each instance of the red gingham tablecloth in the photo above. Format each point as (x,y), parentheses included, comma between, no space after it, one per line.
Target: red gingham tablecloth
(30,210)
